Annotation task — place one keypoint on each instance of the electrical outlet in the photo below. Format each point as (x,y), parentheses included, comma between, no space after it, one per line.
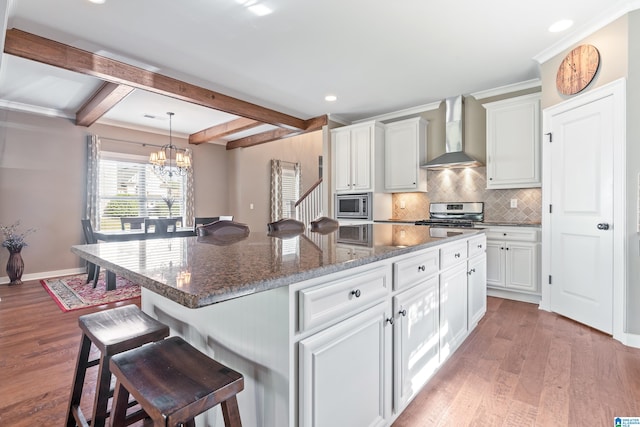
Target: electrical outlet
(514,203)
(402,205)
(250,205)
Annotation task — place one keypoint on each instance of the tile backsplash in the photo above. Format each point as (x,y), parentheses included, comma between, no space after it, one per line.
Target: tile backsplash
(469,185)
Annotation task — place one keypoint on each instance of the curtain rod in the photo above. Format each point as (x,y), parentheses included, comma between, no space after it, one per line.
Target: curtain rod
(144,144)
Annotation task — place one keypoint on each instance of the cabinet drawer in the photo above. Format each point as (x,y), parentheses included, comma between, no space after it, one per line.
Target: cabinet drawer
(332,300)
(477,245)
(521,234)
(453,254)
(414,269)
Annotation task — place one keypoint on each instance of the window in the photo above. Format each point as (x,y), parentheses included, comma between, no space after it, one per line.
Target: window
(129,187)
(290,189)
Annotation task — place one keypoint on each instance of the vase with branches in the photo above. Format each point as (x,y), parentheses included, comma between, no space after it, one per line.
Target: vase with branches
(14,241)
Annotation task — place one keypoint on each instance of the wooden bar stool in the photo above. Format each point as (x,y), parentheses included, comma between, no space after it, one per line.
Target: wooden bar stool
(174,382)
(111,331)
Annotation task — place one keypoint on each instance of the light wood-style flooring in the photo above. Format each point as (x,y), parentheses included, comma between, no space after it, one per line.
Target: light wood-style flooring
(527,367)
(520,367)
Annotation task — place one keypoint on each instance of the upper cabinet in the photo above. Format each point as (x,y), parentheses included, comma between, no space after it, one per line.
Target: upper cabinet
(513,142)
(354,156)
(404,150)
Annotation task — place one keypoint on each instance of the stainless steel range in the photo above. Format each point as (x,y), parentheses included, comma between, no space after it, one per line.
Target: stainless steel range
(458,214)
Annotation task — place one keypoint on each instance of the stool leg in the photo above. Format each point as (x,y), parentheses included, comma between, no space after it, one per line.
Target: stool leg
(119,405)
(78,379)
(102,393)
(230,412)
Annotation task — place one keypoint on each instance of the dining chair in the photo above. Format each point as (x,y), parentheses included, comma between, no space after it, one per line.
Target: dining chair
(161,226)
(285,228)
(222,229)
(134,222)
(203,220)
(286,225)
(93,270)
(324,225)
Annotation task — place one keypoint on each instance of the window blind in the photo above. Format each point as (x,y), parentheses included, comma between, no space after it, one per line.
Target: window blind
(128,187)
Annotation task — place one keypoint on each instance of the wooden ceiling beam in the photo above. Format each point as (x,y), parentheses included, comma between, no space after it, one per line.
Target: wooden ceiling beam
(222,130)
(101,102)
(50,52)
(311,125)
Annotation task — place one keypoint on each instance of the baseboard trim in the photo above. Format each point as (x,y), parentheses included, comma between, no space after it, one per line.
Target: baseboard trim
(4,280)
(516,296)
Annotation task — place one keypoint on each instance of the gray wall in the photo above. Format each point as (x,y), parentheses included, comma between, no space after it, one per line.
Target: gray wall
(42,182)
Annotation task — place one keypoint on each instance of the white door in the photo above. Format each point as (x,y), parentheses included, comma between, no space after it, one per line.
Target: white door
(582,213)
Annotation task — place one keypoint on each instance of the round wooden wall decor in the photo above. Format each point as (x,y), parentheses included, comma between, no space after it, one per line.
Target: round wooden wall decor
(577,69)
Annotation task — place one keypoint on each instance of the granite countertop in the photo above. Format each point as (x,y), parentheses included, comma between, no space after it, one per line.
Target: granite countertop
(196,271)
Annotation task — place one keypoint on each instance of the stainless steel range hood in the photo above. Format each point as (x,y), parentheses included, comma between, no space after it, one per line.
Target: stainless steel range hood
(454,157)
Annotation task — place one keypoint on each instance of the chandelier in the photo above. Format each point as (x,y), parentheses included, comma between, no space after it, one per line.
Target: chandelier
(171,160)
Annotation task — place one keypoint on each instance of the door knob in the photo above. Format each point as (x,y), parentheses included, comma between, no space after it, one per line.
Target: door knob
(603,226)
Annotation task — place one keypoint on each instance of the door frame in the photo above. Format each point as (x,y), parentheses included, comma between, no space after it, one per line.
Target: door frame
(617,89)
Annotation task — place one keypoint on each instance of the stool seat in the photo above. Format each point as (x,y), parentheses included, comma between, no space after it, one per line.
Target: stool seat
(111,332)
(173,382)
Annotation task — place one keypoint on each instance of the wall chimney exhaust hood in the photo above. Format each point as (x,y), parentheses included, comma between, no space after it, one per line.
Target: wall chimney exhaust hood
(454,157)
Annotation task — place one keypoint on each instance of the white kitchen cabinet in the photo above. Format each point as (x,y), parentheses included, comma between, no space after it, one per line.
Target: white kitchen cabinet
(405,145)
(513,262)
(453,308)
(354,150)
(513,142)
(476,281)
(416,340)
(345,372)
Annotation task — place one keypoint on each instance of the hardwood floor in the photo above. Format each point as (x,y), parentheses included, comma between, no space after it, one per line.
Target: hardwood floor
(527,367)
(520,367)
(38,349)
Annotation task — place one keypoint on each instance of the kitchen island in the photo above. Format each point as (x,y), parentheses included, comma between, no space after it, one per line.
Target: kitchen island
(324,333)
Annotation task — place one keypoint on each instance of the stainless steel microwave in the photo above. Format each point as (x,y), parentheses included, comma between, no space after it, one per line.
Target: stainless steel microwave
(354,206)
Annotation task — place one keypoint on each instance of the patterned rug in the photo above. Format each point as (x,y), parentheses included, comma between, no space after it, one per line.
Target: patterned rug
(73,293)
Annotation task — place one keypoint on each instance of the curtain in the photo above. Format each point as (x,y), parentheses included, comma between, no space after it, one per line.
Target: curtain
(285,189)
(276,190)
(189,198)
(92,210)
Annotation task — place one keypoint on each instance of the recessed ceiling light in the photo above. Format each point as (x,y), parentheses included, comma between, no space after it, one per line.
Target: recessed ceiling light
(330,98)
(98,1)
(560,25)
(259,9)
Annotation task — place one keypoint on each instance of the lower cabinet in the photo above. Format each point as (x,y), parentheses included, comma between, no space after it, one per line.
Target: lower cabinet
(345,372)
(477,289)
(416,349)
(513,262)
(363,369)
(453,308)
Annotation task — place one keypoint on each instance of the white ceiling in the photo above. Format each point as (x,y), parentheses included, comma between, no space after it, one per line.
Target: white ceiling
(375,56)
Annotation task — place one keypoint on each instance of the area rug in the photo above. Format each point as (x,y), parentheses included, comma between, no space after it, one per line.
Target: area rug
(73,293)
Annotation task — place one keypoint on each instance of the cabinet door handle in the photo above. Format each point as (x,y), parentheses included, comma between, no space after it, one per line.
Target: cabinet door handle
(356,293)
(507,248)
(403,312)
(421,268)
(470,272)
(457,255)
(479,246)
(390,320)
(501,248)
(603,226)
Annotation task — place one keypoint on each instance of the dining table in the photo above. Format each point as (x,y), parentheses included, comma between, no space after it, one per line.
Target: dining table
(128,235)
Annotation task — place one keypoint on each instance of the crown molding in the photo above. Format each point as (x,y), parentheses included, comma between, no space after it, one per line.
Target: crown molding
(608,15)
(43,111)
(403,113)
(502,90)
